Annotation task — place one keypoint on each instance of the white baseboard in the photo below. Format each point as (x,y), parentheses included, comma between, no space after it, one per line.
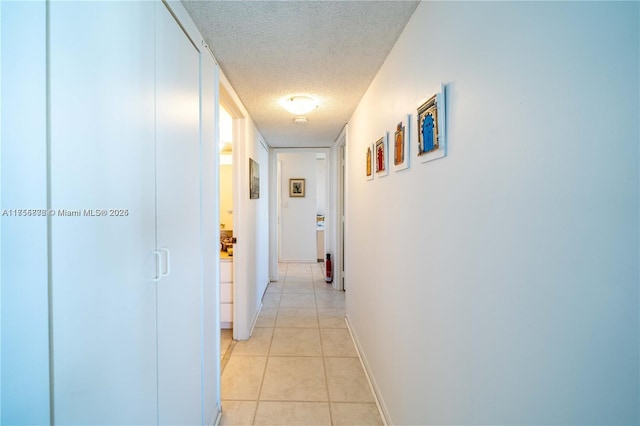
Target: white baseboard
(382,409)
(255,320)
(215,421)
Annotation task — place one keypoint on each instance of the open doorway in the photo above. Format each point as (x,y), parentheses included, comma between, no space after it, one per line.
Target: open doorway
(226,229)
(303,198)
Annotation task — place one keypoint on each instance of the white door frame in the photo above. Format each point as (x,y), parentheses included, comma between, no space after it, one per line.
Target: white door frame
(339,178)
(239,276)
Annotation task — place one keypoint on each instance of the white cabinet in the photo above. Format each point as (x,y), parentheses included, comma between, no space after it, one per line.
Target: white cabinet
(126,288)
(178,223)
(102,157)
(24,347)
(226,293)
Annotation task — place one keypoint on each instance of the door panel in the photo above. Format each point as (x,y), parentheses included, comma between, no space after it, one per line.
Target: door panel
(178,219)
(24,382)
(102,157)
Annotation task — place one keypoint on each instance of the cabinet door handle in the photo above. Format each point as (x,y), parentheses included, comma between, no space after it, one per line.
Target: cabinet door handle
(167,262)
(158,256)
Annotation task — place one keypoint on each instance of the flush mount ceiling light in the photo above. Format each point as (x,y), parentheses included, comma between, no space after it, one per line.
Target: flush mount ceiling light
(300,120)
(299,104)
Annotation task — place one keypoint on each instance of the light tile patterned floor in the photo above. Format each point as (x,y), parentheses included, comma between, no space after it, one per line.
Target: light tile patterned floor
(300,366)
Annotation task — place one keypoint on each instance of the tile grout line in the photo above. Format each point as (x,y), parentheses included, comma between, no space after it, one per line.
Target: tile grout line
(320,294)
(266,363)
(324,364)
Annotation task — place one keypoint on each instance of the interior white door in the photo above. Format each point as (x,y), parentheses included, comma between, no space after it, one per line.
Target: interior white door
(178,219)
(24,280)
(102,157)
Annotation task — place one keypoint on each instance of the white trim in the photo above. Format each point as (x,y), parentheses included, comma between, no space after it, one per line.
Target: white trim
(184,21)
(336,216)
(255,318)
(215,421)
(382,408)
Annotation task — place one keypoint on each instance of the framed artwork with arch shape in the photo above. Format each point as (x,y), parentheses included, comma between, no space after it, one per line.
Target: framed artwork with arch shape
(381,156)
(432,141)
(369,162)
(401,144)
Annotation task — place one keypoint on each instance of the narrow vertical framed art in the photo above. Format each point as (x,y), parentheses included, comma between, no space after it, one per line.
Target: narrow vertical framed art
(402,144)
(381,156)
(369,162)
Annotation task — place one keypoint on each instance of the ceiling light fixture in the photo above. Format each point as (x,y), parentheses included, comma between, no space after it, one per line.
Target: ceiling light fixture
(299,104)
(300,120)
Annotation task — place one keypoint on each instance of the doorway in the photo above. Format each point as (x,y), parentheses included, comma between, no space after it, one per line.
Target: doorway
(302,203)
(226,228)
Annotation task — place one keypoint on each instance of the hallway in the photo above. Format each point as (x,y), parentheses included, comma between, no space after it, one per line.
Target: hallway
(300,366)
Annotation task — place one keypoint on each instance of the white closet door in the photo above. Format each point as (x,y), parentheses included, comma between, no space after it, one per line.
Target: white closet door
(178,216)
(102,157)
(24,378)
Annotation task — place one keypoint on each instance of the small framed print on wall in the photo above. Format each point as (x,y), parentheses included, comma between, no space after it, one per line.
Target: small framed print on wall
(401,144)
(432,141)
(296,187)
(381,156)
(369,162)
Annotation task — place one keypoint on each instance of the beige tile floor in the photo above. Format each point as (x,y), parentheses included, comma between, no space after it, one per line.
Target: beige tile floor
(300,366)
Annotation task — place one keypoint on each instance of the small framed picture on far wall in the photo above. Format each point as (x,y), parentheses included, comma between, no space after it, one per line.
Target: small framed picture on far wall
(296,187)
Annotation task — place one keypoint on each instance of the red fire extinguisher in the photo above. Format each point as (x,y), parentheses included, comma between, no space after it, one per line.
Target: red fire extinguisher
(329,272)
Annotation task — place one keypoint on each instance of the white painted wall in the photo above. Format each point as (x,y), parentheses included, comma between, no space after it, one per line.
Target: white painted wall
(499,285)
(262,225)
(298,214)
(248,252)
(321,183)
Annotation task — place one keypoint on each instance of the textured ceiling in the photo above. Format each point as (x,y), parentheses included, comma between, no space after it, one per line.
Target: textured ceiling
(273,49)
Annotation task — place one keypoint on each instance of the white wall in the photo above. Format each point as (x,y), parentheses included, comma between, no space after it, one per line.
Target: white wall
(298,214)
(499,285)
(248,252)
(262,224)
(321,183)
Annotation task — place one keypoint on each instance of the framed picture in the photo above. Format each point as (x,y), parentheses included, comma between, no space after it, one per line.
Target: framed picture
(432,141)
(296,187)
(369,162)
(401,144)
(254,179)
(381,156)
